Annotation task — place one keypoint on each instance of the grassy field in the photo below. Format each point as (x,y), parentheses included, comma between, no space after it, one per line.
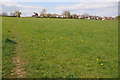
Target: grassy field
(59,48)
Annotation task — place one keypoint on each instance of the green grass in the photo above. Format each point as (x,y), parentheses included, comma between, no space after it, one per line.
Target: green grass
(68,48)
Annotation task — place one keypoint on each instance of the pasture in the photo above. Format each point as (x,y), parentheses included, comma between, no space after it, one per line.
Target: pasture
(59,48)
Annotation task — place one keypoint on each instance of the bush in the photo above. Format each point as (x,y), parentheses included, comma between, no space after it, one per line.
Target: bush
(118,17)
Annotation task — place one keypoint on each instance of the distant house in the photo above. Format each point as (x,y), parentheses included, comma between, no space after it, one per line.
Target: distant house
(35,14)
(74,16)
(61,16)
(80,16)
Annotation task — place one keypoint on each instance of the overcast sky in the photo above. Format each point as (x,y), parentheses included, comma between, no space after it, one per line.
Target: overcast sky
(93,7)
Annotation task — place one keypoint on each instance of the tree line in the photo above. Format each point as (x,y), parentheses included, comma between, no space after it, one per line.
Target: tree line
(65,14)
(44,14)
(12,14)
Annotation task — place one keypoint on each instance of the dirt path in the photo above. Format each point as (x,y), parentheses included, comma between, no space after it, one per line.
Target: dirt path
(18,71)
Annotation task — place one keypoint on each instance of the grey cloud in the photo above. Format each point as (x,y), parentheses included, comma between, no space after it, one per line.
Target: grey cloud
(9,8)
(26,10)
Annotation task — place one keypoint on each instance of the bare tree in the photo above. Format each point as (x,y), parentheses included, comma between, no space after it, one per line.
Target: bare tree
(43,12)
(74,16)
(66,14)
(17,13)
(48,15)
